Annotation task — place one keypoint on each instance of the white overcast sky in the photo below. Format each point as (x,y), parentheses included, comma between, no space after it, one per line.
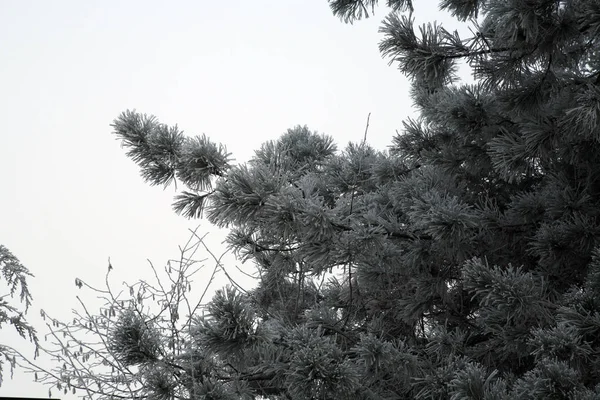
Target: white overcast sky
(240,71)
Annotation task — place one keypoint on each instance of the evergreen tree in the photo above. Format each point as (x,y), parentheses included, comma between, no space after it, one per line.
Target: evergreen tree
(15,276)
(463,263)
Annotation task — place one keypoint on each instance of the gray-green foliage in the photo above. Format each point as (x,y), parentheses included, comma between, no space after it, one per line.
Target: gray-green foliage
(463,263)
(14,276)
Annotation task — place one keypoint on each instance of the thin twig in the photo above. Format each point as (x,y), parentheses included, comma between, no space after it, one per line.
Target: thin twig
(366,129)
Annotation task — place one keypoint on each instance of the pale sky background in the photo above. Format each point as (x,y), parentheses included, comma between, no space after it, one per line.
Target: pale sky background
(240,71)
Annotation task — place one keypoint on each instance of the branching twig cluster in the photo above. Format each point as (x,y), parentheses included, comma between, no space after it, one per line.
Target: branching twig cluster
(88,353)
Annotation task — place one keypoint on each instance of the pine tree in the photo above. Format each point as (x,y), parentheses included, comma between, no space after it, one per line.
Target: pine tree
(462,263)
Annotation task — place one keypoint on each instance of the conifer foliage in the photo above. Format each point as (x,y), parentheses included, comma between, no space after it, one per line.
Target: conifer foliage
(13,276)
(463,263)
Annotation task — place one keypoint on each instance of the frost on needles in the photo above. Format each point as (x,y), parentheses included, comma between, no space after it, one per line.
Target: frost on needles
(462,263)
